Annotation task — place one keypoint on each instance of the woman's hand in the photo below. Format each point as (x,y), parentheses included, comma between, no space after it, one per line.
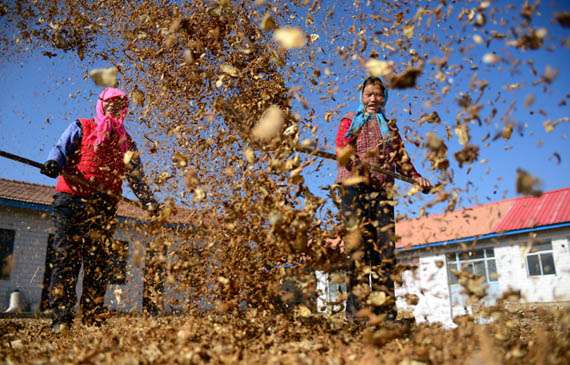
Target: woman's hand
(353,162)
(423,183)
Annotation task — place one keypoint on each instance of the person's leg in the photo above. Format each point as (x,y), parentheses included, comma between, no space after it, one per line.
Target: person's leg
(382,258)
(67,257)
(353,214)
(96,254)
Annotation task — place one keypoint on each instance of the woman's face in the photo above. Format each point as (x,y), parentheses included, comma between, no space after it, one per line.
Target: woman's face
(114,106)
(373,98)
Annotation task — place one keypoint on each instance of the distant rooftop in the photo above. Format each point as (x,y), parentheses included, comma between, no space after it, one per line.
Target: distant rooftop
(505,217)
(551,209)
(40,197)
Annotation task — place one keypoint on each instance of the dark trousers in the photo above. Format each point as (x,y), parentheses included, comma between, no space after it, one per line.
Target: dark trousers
(371,263)
(83,230)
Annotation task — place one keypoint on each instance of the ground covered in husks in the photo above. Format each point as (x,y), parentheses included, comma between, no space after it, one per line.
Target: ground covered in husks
(226,93)
(530,336)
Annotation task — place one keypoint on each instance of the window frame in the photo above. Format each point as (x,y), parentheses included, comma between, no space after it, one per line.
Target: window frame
(539,255)
(9,252)
(118,264)
(458,264)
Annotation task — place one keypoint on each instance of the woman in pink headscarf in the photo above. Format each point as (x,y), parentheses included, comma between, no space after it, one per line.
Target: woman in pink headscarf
(92,150)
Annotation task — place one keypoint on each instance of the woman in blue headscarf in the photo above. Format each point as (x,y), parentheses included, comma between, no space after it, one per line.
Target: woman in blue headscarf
(371,139)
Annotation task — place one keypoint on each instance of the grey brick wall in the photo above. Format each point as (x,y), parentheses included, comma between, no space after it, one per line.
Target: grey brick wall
(29,255)
(30,242)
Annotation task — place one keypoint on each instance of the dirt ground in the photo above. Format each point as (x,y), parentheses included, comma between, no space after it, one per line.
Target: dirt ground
(523,336)
(224,93)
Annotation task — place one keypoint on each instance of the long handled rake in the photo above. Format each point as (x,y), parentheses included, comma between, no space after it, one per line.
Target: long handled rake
(73,178)
(232,116)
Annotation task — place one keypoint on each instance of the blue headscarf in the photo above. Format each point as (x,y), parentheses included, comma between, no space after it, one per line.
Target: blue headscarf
(361,117)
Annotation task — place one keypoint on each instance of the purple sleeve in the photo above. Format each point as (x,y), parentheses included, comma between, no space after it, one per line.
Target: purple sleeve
(67,144)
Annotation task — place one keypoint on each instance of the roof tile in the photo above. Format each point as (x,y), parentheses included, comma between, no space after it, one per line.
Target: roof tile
(43,194)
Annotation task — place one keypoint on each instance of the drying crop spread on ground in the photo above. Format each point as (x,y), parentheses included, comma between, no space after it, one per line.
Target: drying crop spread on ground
(224,93)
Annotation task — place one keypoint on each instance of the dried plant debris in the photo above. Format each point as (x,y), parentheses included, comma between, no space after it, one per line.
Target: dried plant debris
(527,184)
(467,155)
(106,77)
(407,79)
(289,37)
(224,93)
(437,154)
(270,124)
(430,118)
(563,18)
(513,337)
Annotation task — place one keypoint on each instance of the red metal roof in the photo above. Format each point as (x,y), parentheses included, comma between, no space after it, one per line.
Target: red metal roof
(551,207)
(527,212)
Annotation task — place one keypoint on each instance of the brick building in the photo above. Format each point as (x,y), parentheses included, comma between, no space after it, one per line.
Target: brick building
(519,244)
(26,232)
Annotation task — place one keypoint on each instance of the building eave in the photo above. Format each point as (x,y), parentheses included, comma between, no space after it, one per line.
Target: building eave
(25,205)
(4,202)
(485,236)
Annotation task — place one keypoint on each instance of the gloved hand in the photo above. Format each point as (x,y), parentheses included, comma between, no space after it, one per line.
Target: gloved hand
(352,162)
(50,168)
(153,209)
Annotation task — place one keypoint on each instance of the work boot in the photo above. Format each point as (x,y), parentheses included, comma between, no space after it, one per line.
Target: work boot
(60,326)
(94,320)
(61,321)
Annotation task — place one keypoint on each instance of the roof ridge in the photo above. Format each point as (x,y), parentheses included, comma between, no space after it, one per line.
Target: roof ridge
(490,203)
(556,190)
(473,207)
(548,192)
(26,183)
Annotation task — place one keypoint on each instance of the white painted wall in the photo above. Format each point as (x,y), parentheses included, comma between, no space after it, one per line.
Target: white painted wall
(510,266)
(128,297)
(30,242)
(329,292)
(513,273)
(430,282)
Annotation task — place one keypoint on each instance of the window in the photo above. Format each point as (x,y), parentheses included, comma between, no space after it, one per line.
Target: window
(118,263)
(48,267)
(6,250)
(479,262)
(539,260)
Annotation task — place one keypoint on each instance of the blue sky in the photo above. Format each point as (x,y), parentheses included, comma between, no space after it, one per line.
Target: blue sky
(39,97)
(531,148)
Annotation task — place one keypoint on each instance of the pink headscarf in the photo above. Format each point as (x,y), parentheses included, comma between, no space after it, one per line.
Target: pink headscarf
(106,123)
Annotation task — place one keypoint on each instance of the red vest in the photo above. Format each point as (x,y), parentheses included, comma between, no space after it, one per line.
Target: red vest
(103,166)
